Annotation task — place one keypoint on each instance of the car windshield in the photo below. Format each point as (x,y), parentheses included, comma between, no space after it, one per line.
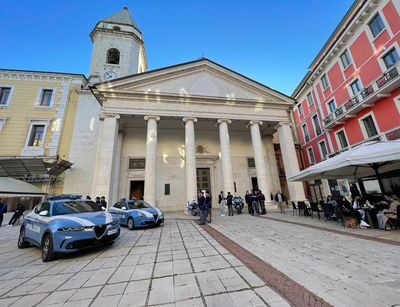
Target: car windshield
(70,207)
(138,204)
(237,198)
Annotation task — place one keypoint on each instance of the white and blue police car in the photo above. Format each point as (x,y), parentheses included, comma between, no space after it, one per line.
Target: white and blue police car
(136,213)
(66,224)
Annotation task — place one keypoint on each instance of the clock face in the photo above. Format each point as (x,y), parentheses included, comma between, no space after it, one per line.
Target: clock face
(109,75)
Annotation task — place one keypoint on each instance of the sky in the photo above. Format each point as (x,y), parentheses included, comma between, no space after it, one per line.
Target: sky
(272,42)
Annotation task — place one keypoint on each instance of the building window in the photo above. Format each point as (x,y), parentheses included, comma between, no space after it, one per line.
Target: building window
(36,138)
(305,132)
(345,58)
(369,126)
(317,125)
(376,25)
(332,106)
(322,147)
(4,95)
(391,58)
(324,81)
(113,56)
(116,28)
(300,108)
(137,163)
(355,87)
(311,155)
(310,99)
(45,98)
(250,162)
(167,189)
(342,139)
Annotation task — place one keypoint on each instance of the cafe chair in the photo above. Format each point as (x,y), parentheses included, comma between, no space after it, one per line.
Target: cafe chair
(314,208)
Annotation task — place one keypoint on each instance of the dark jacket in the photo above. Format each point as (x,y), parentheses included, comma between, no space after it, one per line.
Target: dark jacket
(282,196)
(229,200)
(247,198)
(3,208)
(261,197)
(220,198)
(202,201)
(207,202)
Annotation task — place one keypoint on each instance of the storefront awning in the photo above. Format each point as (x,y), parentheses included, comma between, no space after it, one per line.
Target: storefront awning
(18,187)
(25,167)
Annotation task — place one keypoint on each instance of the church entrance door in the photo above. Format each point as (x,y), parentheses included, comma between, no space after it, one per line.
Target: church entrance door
(203,179)
(137,189)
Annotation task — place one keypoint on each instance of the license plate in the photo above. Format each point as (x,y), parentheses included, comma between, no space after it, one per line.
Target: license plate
(112,231)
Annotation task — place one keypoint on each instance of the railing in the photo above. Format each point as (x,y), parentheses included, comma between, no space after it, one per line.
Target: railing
(366,93)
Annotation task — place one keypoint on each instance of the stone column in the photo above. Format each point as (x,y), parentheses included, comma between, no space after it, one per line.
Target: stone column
(226,156)
(296,191)
(272,163)
(263,180)
(117,163)
(190,159)
(150,174)
(104,175)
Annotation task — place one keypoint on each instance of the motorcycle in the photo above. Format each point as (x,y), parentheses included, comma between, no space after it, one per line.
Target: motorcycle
(193,208)
(238,204)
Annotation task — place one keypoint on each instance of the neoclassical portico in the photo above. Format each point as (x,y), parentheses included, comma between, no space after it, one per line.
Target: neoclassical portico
(169,114)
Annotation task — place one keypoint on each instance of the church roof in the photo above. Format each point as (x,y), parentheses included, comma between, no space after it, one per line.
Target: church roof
(122,17)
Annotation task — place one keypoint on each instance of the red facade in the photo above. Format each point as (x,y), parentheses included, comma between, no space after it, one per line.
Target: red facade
(360,99)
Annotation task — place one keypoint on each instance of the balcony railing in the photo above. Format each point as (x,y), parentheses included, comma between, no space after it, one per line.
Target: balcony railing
(384,84)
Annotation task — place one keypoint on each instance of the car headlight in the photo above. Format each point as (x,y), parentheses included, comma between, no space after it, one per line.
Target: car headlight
(72,228)
(114,223)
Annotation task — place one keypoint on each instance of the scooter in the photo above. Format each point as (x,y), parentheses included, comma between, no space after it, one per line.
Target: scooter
(238,204)
(193,208)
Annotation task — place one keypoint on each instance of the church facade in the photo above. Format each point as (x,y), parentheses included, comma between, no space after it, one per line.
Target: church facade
(165,134)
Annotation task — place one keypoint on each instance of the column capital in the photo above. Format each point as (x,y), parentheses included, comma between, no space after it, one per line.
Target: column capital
(223,120)
(147,117)
(104,115)
(281,124)
(189,118)
(254,122)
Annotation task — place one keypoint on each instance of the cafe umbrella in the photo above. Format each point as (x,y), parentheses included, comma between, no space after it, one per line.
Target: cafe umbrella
(368,160)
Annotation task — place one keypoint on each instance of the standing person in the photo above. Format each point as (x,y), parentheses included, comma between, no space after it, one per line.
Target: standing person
(248,202)
(3,209)
(261,200)
(103,202)
(253,201)
(202,208)
(18,212)
(221,202)
(208,202)
(229,203)
(280,198)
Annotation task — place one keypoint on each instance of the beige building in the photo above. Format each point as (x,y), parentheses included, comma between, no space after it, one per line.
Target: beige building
(165,134)
(37,115)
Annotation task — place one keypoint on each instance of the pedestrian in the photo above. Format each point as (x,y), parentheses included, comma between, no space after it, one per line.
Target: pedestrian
(280,200)
(103,202)
(229,203)
(208,203)
(17,214)
(3,209)
(97,200)
(384,215)
(261,201)
(247,200)
(202,208)
(254,202)
(221,202)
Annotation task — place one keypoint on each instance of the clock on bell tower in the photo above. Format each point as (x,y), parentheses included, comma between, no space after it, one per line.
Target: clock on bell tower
(118,48)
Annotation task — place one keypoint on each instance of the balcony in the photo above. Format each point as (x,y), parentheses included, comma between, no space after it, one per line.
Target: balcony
(381,87)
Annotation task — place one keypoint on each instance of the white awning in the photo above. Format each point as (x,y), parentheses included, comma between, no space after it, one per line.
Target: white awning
(365,160)
(13,186)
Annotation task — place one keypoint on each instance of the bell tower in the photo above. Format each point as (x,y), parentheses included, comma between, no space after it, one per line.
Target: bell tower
(118,48)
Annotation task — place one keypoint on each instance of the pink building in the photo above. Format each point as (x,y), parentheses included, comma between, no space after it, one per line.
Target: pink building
(351,92)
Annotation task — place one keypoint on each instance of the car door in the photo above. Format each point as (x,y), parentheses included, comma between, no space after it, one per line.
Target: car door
(30,223)
(116,209)
(42,222)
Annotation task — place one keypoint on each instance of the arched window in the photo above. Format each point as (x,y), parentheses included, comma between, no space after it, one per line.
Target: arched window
(116,28)
(113,56)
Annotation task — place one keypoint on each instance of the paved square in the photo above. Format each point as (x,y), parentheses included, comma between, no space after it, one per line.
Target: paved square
(178,264)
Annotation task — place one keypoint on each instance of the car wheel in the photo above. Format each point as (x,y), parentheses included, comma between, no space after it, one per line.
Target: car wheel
(47,248)
(131,224)
(21,239)
(239,211)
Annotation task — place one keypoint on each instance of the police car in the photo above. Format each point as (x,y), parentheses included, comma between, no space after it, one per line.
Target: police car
(65,224)
(136,213)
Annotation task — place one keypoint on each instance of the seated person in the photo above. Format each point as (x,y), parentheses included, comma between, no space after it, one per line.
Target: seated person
(331,200)
(348,210)
(384,215)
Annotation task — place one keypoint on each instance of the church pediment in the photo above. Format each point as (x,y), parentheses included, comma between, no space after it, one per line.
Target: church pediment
(202,78)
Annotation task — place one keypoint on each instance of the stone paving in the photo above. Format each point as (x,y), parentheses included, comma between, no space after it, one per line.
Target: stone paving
(343,270)
(178,264)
